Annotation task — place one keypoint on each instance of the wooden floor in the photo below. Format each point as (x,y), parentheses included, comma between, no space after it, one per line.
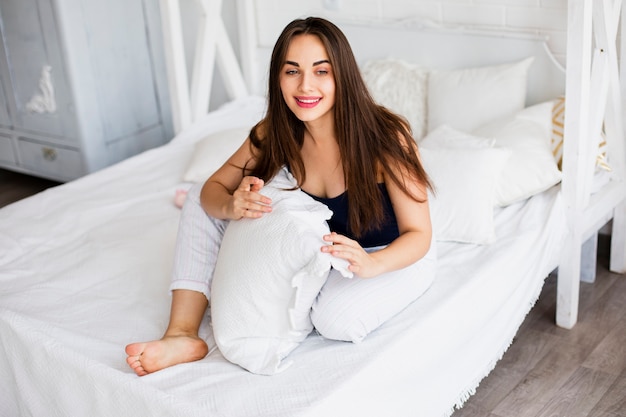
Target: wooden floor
(14,186)
(547,371)
(553,372)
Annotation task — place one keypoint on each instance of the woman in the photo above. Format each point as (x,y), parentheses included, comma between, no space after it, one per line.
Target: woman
(344,150)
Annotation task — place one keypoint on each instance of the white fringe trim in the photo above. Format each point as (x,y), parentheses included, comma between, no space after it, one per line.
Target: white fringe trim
(471,389)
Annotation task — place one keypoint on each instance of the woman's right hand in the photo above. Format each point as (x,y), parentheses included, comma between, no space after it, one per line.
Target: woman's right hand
(246,200)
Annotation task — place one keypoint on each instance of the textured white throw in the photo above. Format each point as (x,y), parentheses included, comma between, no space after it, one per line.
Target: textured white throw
(90,273)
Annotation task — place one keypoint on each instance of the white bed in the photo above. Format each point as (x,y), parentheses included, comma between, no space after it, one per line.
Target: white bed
(85,269)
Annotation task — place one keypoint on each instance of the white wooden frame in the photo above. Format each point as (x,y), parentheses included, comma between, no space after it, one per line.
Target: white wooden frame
(593,97)
(191,101)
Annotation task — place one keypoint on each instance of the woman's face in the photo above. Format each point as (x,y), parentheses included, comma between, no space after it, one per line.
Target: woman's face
(307,81)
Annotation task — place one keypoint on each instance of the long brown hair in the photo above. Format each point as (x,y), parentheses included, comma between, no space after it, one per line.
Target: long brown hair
(369,136)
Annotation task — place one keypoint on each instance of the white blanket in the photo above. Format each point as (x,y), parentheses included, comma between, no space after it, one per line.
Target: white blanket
(84,270)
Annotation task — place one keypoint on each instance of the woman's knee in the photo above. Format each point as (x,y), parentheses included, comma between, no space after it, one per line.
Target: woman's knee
(343,326)
(350,309)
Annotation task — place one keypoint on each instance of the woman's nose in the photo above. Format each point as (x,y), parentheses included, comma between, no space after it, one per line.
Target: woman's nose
(306,82)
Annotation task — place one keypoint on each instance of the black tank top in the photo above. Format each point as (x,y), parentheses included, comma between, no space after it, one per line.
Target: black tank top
(372,238)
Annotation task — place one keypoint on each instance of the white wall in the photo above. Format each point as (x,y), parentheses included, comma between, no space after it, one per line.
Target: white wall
(542,17)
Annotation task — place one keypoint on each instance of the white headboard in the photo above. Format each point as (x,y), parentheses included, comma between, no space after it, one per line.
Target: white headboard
(417,42)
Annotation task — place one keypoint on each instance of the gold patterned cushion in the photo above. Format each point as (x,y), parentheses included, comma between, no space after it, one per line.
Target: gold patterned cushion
(558,118)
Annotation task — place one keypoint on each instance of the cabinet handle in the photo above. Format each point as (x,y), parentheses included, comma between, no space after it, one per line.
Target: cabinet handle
(49,154)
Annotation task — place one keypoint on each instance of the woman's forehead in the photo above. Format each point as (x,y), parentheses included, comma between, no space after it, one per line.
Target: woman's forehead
(306,49)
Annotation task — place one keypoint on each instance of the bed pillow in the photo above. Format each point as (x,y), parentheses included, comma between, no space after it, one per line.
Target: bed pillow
(556,143)
(465,181)
(268,274)
(531,168)
(401,87)
(468,98)
(211,152)
(447,137)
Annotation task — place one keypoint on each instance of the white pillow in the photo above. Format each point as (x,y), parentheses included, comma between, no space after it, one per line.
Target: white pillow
(401,87)
(268,274)
(211,152)
(468,98)
(447,137)
(532,168)
(465,181)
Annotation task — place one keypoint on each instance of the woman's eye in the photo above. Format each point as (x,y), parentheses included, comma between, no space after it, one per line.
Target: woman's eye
(322,72)
(291,72)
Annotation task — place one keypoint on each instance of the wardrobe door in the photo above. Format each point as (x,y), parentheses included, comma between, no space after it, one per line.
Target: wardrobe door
(40,94)
(119,54)
(7,155)
(5,119)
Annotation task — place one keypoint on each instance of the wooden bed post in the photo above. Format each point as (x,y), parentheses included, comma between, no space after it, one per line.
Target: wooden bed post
(578,64)
(618,232)
(204,57)
(212,47)
(175,61)
(593,100)
(248,44)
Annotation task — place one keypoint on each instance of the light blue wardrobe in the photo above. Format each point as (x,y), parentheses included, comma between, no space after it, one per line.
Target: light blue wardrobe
(82,84)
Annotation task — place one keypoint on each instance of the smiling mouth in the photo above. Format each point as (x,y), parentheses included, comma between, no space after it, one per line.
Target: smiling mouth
(307,102)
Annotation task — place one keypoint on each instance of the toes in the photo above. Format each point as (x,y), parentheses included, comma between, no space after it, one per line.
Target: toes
(140,371)
(132,360)
(135,364)
(135,349)
(134,352)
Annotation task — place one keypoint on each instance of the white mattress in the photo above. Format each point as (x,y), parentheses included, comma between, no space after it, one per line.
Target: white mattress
(84,270)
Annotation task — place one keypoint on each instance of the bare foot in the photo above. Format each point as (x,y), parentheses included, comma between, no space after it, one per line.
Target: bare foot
(148,357)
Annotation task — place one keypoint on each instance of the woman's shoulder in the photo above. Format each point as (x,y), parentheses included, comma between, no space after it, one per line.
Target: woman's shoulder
(260,129)
(258,133)
(403,137)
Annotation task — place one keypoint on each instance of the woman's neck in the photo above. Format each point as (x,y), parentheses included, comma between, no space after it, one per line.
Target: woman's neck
(321,131)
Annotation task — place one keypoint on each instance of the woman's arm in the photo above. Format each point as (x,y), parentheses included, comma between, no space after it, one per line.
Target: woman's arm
(414,226)
(228,194)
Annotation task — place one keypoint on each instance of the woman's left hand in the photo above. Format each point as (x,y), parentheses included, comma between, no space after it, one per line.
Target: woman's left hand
(361,262)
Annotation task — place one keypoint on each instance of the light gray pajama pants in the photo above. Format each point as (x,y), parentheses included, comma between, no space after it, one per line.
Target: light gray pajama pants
(346,308)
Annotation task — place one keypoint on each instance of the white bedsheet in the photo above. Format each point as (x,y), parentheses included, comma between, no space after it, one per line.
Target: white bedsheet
(85,267)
